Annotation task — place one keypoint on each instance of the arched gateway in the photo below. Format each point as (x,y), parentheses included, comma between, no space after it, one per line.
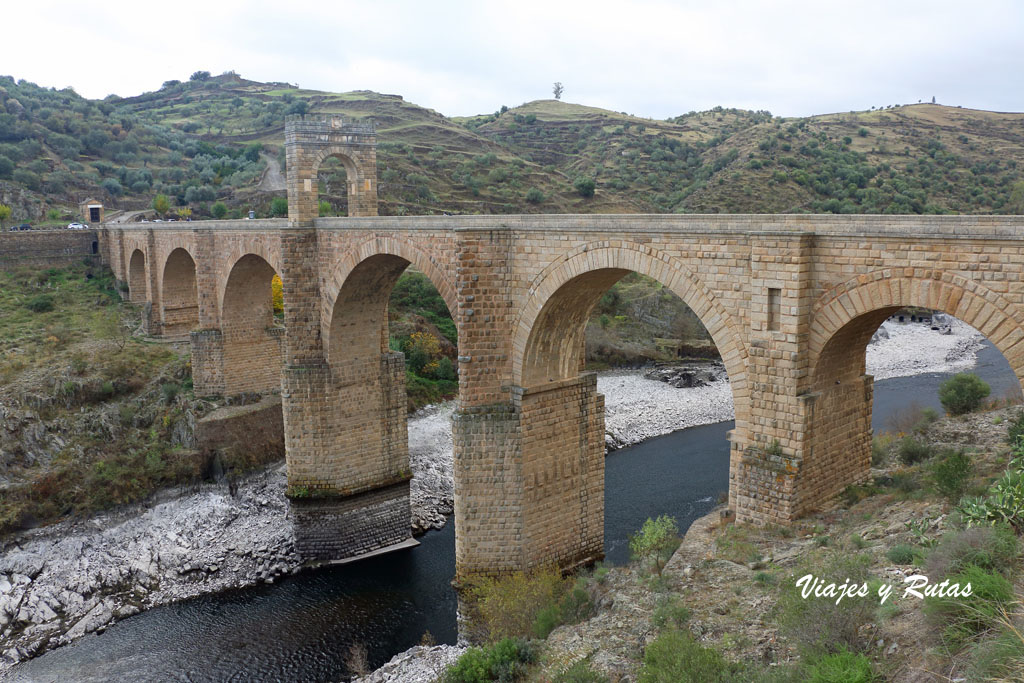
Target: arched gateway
(789,300)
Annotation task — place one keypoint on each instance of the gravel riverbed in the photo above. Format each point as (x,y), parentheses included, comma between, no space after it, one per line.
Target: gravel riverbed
(76,577)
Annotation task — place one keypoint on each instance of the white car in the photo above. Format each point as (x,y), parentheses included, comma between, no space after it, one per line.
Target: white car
(77,226)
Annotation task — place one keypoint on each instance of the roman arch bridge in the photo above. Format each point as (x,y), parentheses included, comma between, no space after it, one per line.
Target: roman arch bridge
(790,301)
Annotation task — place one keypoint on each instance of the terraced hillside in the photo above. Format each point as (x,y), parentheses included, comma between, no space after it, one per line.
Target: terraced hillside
(206,144)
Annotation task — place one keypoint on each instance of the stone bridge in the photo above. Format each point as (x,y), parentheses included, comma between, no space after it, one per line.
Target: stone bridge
(791,302)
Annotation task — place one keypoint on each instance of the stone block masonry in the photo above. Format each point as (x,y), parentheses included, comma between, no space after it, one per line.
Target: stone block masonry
(48,248)
(339,528)
(790,302)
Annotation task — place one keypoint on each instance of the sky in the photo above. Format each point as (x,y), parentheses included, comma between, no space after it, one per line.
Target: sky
(648,58)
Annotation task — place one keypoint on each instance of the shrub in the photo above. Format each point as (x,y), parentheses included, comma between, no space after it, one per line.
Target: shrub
(584,186)
(169,391)
(952,475)
(506,660)
(655,542)
(670,612)
(962,618)
(573,608)
(279,206)
(674,657)
(580,672)
(963,393)
(818,626)
(535,196)
(1004,502)
(509,606)
(988,547)
(912,451)
(1015,429)
(40,304)
(841,667)
(219,210)
(901,554)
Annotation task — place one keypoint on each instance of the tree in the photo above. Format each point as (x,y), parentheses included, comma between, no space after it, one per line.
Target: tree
(184,213)
(279,206)
(5,213)
(199,76)
(656,541)
(584,186)
(557,90)
(219,210)
(534,196)
(161,204)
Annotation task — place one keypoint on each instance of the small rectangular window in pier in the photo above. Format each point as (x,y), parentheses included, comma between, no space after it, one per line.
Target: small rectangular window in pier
(774,308)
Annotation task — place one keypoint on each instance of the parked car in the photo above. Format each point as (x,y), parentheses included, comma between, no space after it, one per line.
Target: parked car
(77,226)
(23,226)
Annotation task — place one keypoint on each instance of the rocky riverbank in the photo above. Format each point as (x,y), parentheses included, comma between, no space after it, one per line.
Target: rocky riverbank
(60,582)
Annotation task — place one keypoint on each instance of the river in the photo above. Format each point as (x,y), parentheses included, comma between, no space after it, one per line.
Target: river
(302,628)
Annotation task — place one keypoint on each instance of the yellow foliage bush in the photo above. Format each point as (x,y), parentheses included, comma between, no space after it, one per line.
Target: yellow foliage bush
(277,294)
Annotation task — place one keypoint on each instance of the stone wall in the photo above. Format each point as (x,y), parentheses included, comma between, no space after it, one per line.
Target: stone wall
(339,528)
(48,248)
(257,429)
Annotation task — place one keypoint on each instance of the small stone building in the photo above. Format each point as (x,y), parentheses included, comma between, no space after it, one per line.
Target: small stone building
(91,210)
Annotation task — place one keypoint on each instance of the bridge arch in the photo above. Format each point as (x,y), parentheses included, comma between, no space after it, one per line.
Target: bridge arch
(548,335)
(839,393)
(357,293)
(137,291)
(179,293)
(847,315)
(253,340)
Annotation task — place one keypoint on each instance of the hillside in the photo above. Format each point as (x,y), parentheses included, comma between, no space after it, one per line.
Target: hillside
(211,139)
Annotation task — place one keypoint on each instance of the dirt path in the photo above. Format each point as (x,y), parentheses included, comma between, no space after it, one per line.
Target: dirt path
(273,179)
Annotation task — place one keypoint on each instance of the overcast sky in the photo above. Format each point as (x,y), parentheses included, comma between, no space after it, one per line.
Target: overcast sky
(657,59)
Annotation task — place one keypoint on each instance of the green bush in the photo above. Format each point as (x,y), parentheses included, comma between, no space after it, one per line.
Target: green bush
(219,210)
(40,304)
(901,554)
(674,657)
(841,667)
(1015,429)
(963,393)
(506,660)
(534,196)
(580,672)
(670,612)
(989,547)
(169,391)
(912,451)
(510,606)
(952,475)
(963,618)
(279,206)
(584,186)
(817,626)
(1004,502)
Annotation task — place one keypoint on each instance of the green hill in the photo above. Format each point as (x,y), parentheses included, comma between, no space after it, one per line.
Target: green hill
(211,139)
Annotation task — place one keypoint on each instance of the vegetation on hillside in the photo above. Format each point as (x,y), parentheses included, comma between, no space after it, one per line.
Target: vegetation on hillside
(206,141)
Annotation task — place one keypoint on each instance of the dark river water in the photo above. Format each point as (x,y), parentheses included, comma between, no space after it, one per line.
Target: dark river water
(301,628)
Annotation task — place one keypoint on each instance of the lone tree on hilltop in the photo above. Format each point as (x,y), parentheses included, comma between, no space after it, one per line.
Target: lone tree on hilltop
(557,89)
(199,76)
